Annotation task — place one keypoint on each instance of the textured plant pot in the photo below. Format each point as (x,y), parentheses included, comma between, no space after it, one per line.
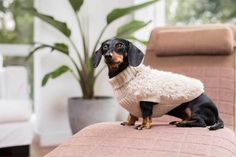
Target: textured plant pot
(84,112)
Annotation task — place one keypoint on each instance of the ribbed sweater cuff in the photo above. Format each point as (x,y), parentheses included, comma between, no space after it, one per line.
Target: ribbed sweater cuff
(125,76)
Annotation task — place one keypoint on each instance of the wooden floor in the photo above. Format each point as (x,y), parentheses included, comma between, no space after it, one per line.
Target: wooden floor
(38,151)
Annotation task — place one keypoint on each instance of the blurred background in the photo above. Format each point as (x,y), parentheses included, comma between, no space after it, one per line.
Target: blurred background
(20,29)
(17,25)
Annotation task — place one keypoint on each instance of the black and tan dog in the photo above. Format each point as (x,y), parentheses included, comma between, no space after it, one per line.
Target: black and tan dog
(200,112)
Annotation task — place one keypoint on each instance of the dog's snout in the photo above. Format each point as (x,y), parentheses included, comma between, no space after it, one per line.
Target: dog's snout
(108,55)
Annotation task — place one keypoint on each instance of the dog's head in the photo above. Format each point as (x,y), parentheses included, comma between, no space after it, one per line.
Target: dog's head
(117,51)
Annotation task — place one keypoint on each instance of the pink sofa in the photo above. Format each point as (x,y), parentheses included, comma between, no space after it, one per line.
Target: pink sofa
(211,58)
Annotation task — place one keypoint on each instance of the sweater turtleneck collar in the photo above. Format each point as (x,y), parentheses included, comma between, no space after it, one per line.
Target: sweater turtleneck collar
(123,77)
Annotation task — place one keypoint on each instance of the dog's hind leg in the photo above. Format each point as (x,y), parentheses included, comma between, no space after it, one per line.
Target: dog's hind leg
(196,122)
(185,116)
(192,120)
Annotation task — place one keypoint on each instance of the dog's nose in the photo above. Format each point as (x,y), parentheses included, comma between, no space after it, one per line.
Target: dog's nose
(108,56)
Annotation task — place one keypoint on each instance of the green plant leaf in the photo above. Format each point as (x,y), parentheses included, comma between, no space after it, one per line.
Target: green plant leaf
(119,12)
(144,42)
(129,28)
(232,14)
(61,26)
(76,4)
(54,74)
(34,50)
(61,47)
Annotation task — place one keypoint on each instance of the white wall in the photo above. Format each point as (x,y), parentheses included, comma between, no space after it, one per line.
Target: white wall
(51,101)
(155,13)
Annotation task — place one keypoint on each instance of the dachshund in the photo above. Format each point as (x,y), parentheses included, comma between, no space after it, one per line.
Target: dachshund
(199,112)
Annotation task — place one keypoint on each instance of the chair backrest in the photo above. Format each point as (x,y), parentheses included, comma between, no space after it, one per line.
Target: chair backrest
(14,83)
(203,52)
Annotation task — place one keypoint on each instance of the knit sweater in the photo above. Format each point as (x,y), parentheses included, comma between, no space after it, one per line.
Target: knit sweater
(167,89)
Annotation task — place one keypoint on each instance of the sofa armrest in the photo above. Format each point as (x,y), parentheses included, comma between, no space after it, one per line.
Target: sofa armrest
(15,110)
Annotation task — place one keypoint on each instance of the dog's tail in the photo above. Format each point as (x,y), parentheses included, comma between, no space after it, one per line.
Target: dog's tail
(218,125)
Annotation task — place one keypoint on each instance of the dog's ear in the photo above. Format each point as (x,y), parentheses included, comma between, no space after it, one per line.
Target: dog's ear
(135,55)
(96,57)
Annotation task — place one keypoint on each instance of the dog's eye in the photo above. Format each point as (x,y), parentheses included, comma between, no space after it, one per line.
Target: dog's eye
(105,47)
(119,45)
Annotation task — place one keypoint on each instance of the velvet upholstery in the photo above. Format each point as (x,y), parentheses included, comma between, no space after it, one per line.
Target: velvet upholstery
(113,140)
(195,40)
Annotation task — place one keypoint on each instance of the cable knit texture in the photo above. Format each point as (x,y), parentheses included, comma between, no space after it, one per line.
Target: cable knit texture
(142,83)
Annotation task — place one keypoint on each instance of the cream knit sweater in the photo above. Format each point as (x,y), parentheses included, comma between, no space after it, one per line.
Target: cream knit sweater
(142,83)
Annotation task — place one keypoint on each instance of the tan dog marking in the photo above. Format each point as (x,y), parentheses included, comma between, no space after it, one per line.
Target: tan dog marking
(118,59)
(131,120)
(147,123)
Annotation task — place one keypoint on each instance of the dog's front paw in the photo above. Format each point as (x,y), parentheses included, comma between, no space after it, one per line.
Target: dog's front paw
(143,126)
(127,124)
(131,121)
(147,122)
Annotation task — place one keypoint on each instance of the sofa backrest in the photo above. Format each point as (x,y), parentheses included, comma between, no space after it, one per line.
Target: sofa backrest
(205,52)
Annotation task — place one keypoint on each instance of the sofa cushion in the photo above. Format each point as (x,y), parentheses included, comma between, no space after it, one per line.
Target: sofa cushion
(15,110)
(114,140)
(16,134)
(192,40)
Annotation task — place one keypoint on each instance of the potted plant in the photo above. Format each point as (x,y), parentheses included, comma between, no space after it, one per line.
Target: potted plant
(85,73)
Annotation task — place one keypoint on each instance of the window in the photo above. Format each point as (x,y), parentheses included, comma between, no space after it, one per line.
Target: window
(200,11)
(184,12)
(16,25)
(16,34)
